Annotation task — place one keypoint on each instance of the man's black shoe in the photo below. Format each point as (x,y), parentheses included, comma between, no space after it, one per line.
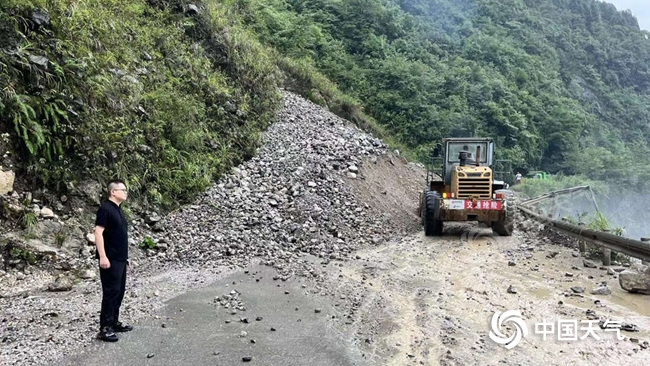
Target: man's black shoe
(119,327)
(107,334)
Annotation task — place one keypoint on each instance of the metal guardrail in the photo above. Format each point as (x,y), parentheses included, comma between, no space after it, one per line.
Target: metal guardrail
(554,194)
(633,248)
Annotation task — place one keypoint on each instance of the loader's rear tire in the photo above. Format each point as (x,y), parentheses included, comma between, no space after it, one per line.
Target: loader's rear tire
(432,222)
(507,225)
(423,204)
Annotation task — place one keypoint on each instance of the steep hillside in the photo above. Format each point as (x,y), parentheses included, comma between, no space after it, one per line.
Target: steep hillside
(330,215)
(562,85)
(313,194)
(167,95)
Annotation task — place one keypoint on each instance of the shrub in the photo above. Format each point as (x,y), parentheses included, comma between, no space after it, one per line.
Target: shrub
(147,243)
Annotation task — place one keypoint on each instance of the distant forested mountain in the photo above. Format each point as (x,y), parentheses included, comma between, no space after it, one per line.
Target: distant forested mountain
(561,84)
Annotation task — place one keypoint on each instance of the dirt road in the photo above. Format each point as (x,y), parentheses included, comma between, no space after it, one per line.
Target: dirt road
(418,301)
(430,301)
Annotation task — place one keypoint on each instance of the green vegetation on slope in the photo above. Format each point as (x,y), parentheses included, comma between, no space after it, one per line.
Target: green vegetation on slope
(561,85)
(134,89)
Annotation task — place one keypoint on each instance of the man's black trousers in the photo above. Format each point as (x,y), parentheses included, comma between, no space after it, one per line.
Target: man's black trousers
(113,285)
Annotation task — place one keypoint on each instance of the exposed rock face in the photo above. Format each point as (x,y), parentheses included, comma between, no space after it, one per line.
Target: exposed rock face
(636,279)
(191,9)
(41,18)
(6,181)
(91,190)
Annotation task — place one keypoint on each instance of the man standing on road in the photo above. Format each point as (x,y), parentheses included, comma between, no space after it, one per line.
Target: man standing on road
(111,238)
(518,178)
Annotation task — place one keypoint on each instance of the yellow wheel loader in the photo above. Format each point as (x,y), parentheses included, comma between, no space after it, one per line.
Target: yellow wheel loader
(461,187)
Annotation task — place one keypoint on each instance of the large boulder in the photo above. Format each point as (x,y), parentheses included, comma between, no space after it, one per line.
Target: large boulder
(61,283)
(6,181)
(636,279)
(91,190)
(39,248)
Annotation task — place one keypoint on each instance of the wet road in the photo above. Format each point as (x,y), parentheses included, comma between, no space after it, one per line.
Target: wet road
(195,330)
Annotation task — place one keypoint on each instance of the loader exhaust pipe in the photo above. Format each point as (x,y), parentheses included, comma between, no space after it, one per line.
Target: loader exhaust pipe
(478,156)
(462,157)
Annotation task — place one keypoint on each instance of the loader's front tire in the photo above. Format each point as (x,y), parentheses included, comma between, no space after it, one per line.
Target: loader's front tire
(431,220)
(421,210)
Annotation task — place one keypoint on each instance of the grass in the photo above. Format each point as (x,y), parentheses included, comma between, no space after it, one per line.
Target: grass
(23,254)
(554,182)
(28,221)
(136,90)
(147,243)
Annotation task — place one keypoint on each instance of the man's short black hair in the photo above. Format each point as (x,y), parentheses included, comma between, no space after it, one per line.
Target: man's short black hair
(114,182)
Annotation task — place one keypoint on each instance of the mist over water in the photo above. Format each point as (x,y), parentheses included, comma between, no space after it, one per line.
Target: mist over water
(626,210)
(630,212)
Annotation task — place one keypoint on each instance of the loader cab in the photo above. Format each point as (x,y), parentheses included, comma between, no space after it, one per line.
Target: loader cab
(462,151)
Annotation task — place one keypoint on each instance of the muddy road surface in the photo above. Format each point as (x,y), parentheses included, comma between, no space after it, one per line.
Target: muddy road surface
(416,301)
(431,301)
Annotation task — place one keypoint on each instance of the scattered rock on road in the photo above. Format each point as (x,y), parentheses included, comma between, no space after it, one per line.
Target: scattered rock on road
(636,280)
(601,290)
(578,289)
(62,283)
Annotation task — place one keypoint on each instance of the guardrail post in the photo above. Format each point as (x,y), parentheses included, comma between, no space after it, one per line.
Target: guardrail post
(607,257)
(646,240)
(582,246)
(607,253)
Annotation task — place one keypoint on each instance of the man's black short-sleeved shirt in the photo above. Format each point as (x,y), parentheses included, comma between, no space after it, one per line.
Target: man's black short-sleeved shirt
(116,240)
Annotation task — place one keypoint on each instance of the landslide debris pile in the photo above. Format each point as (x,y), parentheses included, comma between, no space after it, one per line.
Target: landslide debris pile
(293,197)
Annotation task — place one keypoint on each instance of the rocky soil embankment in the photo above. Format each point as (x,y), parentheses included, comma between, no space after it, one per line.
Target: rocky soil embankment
(304,193)
(295,197)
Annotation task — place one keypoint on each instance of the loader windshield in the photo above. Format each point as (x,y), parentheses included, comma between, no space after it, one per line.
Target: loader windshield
(454,148)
